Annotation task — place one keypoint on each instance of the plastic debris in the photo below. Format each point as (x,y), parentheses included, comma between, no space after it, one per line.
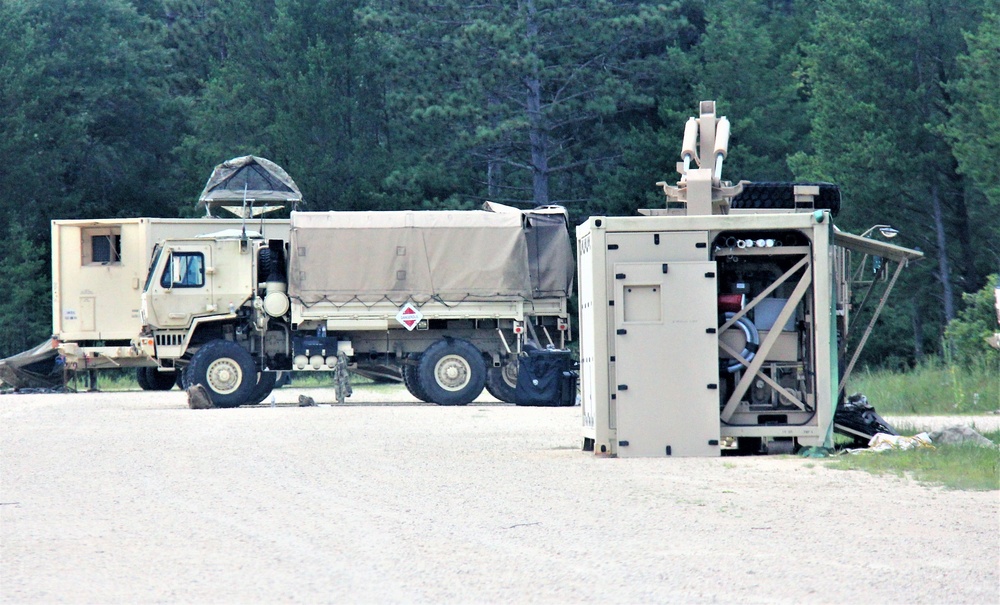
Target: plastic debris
(815,452)
(958,434)
(858,419)
(882,442)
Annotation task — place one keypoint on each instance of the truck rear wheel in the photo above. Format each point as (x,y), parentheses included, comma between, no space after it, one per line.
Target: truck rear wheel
(411,378)
(151,379)
(501,382)
(225,370)
(263,388)
(452,372)
(143,379)
(161,381)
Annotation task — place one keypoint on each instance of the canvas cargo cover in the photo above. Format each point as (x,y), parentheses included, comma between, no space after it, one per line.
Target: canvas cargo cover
(372,256)
(550,253)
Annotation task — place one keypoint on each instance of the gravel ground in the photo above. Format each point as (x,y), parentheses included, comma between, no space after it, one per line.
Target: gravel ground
(133,497)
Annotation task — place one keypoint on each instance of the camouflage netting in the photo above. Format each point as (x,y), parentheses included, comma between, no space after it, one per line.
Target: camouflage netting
(251,179)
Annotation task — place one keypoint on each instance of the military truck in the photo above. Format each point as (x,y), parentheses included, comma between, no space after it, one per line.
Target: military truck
(450,298)
(98,268)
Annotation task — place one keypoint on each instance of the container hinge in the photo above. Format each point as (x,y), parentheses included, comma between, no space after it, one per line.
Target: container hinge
(623,387)
(621,331)
(623,444)
(665,267)
(619,276)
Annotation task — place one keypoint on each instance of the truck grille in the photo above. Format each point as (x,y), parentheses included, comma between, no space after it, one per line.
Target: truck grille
(169,340)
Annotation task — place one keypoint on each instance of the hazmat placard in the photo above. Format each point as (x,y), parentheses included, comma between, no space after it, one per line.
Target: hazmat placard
(409,315)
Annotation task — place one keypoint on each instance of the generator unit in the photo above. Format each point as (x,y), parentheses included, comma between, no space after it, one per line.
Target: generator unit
(721,320)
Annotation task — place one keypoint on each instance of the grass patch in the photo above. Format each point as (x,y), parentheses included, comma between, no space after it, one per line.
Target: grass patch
(932,388)
(965,467)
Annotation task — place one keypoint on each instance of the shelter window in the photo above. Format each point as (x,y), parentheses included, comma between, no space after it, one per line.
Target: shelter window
(184,270)
(102,246)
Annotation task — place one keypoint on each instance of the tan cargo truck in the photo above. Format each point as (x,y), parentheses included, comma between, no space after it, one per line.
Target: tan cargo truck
(447,297)
(98,269)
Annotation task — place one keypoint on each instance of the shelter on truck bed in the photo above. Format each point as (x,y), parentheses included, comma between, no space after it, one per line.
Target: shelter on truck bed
(248,186)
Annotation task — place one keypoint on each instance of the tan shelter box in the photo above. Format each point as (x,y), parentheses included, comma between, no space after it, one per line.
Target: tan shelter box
(446,255)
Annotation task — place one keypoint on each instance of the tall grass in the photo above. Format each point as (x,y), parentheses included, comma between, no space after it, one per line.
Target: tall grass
(932,388)
(965,466)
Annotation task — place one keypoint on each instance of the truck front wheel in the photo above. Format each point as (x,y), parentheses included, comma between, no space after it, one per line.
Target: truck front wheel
(225,370)
(452,372)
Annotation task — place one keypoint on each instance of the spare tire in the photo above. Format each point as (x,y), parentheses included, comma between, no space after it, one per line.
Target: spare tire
(769,195)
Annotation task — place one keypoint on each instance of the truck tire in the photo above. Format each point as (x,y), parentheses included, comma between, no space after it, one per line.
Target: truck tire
(160,381)
(143,379)
(501,382)
(452,372)
(263,388)
(411,379)
(225,370)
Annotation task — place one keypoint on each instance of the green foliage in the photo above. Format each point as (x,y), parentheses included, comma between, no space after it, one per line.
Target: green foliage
(963,467)
(26,307)
(966,335)
(526,101)
(974,128)
(759,42)
(932,388)
(877,76)
(292,85)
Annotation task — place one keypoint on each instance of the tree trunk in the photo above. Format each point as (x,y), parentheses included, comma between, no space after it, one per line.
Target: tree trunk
(918,332)
(969,273)
(944,266)
(494,161)
(537,136)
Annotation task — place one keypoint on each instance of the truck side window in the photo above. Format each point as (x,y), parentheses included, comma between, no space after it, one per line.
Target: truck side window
(184,270)
(102,246)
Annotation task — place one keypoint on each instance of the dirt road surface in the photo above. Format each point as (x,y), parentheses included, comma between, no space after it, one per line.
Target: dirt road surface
(134,498)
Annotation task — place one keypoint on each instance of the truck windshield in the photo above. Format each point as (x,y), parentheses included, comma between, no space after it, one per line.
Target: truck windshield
(152,267)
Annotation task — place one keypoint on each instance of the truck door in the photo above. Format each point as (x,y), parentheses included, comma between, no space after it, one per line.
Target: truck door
(181,286)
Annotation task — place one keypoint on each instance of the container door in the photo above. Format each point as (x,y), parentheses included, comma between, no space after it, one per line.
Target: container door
(666,357)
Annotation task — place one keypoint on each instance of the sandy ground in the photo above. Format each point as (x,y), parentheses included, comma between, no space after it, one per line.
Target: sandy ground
(134,498)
